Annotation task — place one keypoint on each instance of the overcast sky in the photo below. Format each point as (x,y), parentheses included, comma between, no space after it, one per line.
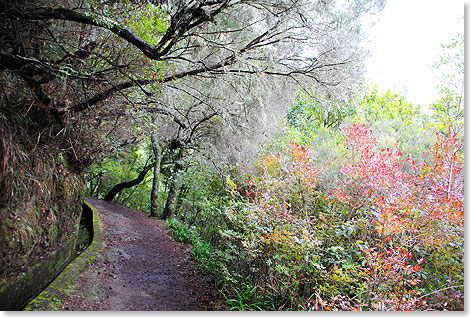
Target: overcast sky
(406,41)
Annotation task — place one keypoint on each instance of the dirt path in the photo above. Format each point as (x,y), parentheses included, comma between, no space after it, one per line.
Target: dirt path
(141,268)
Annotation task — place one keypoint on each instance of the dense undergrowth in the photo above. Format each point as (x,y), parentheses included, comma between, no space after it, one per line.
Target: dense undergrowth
(336,219)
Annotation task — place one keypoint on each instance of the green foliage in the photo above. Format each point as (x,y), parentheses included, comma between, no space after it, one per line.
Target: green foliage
(449,109)
(389,105)
(285,235)
(202,250)
(311,111)
(180,231)
(149,22)
(245,298)
(125,166)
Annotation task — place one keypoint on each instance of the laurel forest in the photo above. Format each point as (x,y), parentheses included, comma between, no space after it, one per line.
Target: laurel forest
(334,219)
(385,232)
(356,208)
(349,206)
(248,127)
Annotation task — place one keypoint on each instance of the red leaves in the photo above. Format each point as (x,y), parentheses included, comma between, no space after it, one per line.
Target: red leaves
(414,201)
(374,174)
(389,277)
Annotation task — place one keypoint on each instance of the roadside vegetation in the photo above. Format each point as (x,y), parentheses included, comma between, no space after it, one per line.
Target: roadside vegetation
(246,125)
(337,218)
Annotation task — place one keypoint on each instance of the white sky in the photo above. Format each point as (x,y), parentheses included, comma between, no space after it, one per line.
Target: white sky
(406,42)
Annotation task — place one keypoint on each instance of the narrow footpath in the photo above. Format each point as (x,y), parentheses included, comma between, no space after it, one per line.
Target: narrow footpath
(141,268)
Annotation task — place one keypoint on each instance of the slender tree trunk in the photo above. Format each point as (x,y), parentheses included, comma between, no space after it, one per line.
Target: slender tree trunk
(98,188)
(171,200)
(94,184)
(182,193)
(92,187)
(156,176)
(117,188)
(173,189)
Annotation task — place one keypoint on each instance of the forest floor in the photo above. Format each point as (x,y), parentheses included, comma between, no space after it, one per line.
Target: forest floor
(141,268)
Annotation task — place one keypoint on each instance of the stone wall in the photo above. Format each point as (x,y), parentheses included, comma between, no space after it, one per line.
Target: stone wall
(40,202)
(17,290)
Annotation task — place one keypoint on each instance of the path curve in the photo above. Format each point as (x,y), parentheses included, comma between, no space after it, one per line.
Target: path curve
(141,268)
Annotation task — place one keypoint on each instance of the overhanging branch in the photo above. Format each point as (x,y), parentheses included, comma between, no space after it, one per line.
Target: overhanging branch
(185,19)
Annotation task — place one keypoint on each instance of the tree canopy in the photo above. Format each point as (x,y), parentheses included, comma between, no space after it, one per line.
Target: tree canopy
(299,187)
(75,56)
(81,80)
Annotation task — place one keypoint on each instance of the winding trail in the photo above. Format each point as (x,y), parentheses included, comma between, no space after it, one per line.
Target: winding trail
(141,268)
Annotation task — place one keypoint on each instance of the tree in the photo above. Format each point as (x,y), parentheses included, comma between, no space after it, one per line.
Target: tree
(73,71)
(389,105)
(205,38)
(449,109)
(311,112)
(193,127)
(173,186)
(156,176)
(118,187)
(101,57)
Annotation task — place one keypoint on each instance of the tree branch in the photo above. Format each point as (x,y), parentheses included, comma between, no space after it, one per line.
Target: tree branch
(129,84)
(117,188)
(194,129)
(184,20)
(168,113)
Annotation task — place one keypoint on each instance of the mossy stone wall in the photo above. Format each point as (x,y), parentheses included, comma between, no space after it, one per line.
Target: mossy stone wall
(40,203)
(51,298)
(19,289)
(15,292)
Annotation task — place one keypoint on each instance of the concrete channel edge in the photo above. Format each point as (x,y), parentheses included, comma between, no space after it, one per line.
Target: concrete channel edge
(50,298)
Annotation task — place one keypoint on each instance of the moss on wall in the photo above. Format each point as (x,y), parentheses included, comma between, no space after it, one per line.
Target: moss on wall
(51,297)
(16,291)
(40,204)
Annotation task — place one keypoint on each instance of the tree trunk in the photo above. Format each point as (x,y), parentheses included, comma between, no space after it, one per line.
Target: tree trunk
(156,177)
(179,202)
(171,200)
(173,190)
(117,188)
(94,182)
(98,189)
(92,187)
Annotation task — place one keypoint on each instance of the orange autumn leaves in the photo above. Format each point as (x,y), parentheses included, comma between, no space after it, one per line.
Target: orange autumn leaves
(425,199)
(383,214)
(287,180)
